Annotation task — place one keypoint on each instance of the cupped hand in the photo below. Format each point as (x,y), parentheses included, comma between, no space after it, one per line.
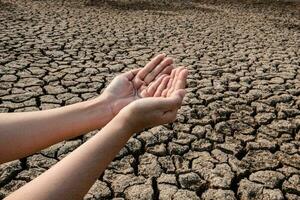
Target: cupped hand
(138,83)
(153,111)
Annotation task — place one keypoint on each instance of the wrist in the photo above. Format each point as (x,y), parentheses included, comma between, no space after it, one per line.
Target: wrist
(124,122)
(126,117)
(98,110)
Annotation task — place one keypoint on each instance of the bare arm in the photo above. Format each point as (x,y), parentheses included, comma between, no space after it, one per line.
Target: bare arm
(33,131)
(74,175)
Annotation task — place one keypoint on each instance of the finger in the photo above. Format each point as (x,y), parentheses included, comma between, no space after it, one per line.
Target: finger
(180,93)
(144,94)
(181,80)
(164,93)
(173,73)
(151,65)
(138,83)
(178,70)
(144,90)
(166,70)
(161,87)
(172,77)
(156,70)
(154,85)
(131,74)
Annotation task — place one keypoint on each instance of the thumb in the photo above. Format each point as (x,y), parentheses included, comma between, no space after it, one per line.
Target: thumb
(131,74)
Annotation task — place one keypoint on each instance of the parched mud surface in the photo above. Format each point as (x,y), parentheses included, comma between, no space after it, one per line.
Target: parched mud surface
(237,135)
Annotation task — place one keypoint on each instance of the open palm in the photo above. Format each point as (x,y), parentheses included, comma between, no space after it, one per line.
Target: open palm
(149,81)
(153,111)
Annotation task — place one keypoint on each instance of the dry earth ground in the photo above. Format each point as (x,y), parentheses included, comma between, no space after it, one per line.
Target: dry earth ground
(238,133)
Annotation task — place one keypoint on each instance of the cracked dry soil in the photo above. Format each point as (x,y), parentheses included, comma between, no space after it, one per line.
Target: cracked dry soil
(237,135)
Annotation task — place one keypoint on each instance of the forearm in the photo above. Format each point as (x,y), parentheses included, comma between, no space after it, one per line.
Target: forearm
(74,175)
(33,131)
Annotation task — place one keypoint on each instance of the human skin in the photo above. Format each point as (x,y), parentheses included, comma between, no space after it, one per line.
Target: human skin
(33,131)
(72,177)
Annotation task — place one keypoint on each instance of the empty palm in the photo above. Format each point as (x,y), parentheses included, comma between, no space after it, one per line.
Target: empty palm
(139,83)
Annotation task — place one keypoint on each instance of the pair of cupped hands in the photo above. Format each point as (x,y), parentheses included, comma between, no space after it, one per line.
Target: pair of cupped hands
(148,96)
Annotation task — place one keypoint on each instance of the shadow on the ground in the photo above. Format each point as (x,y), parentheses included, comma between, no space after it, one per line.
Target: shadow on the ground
(279,4)
(154,6)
